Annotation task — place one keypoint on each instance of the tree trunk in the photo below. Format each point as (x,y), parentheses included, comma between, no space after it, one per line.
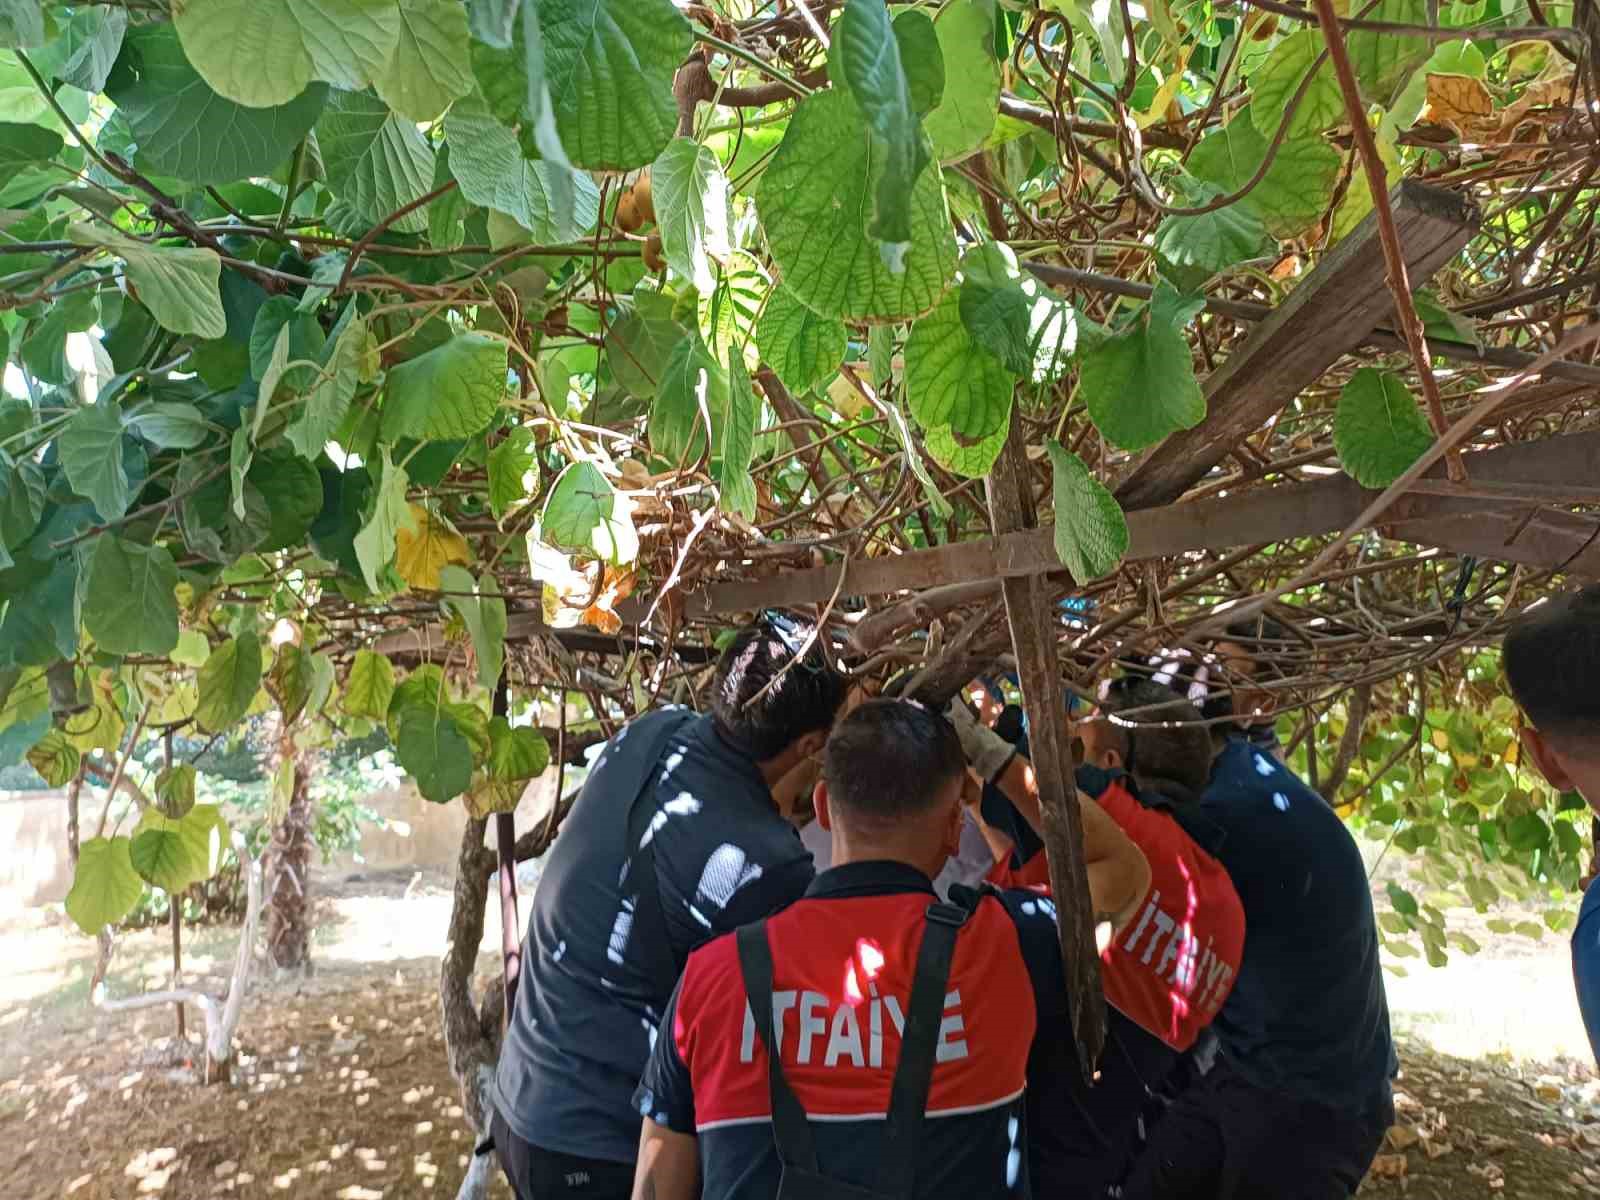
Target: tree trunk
(288,870)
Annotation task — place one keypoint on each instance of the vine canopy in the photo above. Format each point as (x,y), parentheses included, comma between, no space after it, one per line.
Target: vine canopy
(349,341)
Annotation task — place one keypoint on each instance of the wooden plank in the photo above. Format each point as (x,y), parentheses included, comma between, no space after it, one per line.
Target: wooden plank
(1550,539)
(1326,317)
(1263,515)
(428,641)
(1033,626)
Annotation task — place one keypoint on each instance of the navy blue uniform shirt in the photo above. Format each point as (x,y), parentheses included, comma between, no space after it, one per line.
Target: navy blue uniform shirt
(1586,964)
(588,1004)
(1308,1014)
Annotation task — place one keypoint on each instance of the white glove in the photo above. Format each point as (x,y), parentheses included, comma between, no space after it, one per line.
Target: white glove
(986,750)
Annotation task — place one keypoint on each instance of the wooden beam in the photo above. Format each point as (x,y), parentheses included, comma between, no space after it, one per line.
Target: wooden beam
(428,641)
(1381,338)
(1326,317)
(1261,515)
(1033,638)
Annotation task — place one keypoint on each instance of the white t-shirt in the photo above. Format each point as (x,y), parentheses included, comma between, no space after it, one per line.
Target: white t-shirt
(971,863)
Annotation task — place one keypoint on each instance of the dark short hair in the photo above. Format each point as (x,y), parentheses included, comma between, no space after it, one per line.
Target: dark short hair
(1154,750)
(1552,663)
(1250,633)
(890,759)
(774,685)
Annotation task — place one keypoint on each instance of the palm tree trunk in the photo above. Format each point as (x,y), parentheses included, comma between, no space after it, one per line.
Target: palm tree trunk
(288,868)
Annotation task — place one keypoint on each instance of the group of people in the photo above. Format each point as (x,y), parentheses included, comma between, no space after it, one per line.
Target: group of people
(704,1012)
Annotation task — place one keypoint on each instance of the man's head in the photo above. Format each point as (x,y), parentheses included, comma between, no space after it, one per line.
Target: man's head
(775,695)
(892,779)
(1246,655)
(1152,733)
(1552,663)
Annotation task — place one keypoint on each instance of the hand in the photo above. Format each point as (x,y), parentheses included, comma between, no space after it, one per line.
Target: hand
(986,750)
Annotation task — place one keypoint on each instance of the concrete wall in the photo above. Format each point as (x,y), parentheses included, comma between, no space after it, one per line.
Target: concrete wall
(34,867)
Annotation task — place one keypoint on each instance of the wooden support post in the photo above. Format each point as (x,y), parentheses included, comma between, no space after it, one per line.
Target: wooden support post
(505,844)
(1032,622)
(1331,313)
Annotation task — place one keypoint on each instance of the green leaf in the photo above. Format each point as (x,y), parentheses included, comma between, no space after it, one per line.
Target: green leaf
(22,24)
(922,58)
(691,202)
(609,65)
(1383,60)
(737,427)
(375,543)
(1378,430)
(1296,189)
(55,758)
(1275,82)
(90,447)
(1440,323)
(974,459)
(483,611)
(306,340)
(966,114)
(228,682)
(247,52)
(127,601)
(813,197)
(452,391)
(1139,383)
(1091,532)
(1015,317)
(640,342)
(174,788)
(328,402)
(1190,250)
(803,349)
(349,42)
(552,202)
(88,45)
(951,380)
(1528,832)
(105,887)
(170,425)
(876,75)
(282,797)
(185,129)
(179,285)
(165,853)
(24,146)
(22,492)
(510,461)
(292,490)
(585,513)
(692,391)
(369,688)
(1403,901)
(376,162)
(516,753)
(289,681)
(431,66)
(434,752)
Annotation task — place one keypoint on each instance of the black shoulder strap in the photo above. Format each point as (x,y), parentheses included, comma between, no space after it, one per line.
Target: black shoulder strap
(789,1127)
(649,930)
(908,1099)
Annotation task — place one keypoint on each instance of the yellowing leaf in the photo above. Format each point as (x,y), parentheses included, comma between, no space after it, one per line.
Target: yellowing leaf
(1463,103)
(617,587)
(426,549)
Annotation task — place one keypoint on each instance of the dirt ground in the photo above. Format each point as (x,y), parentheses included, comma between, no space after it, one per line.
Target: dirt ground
(342,1089)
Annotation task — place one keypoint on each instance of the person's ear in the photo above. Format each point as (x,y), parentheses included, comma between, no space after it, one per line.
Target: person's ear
(1110,760)
(1547,759)
(819,802)
(811,743)
(953,829)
